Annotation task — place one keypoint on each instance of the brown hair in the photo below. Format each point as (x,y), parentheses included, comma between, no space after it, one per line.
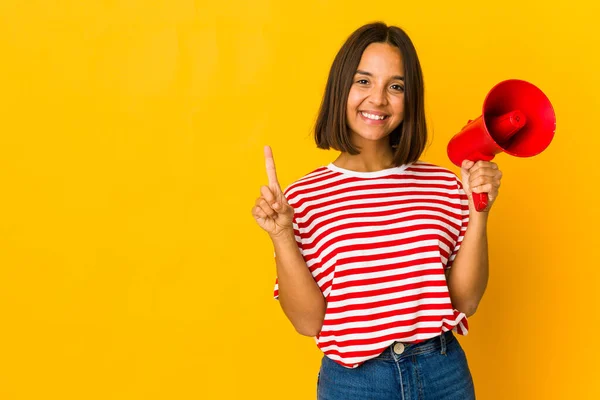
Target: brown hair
(331,131)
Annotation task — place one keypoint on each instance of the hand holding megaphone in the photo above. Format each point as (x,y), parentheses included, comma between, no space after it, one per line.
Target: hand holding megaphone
(517,119)
(481,178)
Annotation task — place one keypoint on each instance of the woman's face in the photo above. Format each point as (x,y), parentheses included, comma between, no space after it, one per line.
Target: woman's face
(376,99)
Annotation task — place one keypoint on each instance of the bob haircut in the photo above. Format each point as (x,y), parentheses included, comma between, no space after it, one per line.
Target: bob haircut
(408,140)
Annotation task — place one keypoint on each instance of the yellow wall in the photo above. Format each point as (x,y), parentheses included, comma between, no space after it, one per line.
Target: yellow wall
(131,137)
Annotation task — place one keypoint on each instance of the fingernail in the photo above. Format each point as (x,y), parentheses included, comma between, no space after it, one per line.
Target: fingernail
(275,205)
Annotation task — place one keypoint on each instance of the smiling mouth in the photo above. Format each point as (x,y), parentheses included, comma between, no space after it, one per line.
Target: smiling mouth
(373,116)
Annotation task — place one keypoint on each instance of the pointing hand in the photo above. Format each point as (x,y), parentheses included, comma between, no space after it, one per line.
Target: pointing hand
(272,211)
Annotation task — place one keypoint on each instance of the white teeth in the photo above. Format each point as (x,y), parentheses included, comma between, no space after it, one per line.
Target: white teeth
(371,116)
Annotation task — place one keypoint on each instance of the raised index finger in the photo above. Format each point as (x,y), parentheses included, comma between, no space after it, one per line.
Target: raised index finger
(271,173)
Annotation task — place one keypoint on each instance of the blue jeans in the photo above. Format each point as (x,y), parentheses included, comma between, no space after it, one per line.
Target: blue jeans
(435,369)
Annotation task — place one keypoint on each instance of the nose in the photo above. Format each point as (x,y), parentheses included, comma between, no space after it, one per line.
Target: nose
(378,95)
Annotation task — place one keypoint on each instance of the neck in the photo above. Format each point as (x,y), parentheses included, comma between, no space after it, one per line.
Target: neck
(373,157)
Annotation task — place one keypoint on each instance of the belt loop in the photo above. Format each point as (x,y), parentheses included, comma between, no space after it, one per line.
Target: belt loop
(443,342)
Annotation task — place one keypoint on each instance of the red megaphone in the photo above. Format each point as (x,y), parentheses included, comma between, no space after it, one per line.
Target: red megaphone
(517,119)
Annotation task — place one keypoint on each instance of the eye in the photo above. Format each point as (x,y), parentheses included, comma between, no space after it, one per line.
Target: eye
(362,81)
(399,88)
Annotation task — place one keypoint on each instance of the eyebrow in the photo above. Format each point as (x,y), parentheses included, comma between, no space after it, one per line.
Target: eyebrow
(398,77)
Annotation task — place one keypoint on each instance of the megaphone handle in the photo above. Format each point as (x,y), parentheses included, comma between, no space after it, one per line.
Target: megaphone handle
(480,200)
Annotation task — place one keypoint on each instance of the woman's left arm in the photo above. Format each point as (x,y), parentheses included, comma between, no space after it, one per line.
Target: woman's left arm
(468,277)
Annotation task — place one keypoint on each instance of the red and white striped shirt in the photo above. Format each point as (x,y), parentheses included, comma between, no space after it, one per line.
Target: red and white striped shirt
(378,244)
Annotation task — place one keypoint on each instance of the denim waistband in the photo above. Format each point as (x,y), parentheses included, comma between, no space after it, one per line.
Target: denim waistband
(434,344)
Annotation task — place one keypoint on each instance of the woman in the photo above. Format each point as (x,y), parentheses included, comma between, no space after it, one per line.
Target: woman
(367,248)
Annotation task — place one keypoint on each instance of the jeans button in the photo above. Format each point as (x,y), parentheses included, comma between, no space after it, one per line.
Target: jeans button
(398,348)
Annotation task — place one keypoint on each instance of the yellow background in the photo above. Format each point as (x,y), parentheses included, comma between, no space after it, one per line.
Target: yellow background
(131,137)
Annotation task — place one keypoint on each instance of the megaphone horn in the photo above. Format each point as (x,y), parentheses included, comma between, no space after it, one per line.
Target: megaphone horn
(517,118)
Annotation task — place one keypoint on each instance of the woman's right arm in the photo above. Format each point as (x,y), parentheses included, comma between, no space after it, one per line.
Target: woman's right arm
(299,295)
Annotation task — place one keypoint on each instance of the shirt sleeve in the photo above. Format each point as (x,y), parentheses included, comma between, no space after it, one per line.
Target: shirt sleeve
(464,216)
